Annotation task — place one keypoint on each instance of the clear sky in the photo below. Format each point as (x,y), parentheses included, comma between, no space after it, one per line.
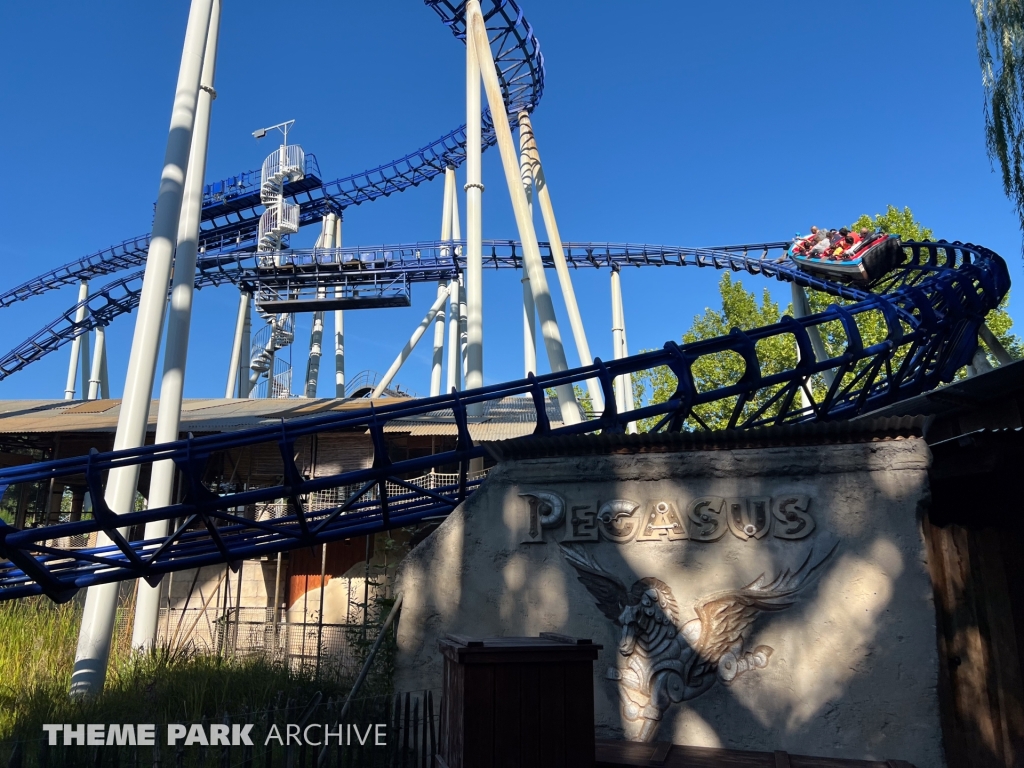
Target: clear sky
(662,122)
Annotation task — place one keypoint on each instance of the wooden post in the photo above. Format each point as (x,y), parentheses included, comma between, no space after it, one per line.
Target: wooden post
(225,749)
(528,701)
(77,500)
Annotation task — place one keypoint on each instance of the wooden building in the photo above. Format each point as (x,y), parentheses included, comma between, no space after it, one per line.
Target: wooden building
(212,606)
(974,528)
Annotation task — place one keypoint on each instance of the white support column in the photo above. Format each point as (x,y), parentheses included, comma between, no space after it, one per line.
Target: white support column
(85,366)
(272,361)
(529,326)
(410,345)
(528,143)
(474,293)
(463,329)
(529,306)
(245,345)
(98,363)
(462,358)
(531,251)
(104,379)
(101,601)
(454,379)
(994,345)
(617,343)
(979,363)
(457,309)
(628,388)
(437,366)
(76,343)
(172,385)
(802,308)
(316,334)
(339,332)
(316,337)
(339,352)
(238,352)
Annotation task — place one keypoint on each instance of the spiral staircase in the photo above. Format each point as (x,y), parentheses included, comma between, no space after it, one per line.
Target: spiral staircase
(278,333)
(279,219)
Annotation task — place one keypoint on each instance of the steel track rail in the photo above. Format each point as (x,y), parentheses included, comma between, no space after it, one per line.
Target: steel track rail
(932,307)
(417,263)
(420,262)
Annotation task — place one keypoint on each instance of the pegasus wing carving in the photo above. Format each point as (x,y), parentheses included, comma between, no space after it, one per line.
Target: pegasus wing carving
(609,593)
(726,617)
(662,663)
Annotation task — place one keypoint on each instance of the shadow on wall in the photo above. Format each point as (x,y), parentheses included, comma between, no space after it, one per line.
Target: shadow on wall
(758,599)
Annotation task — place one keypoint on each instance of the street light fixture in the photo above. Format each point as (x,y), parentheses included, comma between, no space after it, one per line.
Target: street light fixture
(282,127)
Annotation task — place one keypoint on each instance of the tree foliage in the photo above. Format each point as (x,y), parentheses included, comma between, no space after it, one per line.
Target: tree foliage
(894,222)
(1001,54)
(741,309)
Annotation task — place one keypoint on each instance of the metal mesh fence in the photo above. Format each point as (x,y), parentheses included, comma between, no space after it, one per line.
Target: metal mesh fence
(332,498)
(240,632)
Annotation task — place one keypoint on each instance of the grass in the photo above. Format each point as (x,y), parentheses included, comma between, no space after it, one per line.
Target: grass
(37,657)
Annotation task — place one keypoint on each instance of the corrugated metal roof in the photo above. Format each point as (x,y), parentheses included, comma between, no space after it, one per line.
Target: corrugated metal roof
(205,415)
(92,406)
(959,396)
(827,433)
(968,439)
(501,420)
(504,419)
(22,406)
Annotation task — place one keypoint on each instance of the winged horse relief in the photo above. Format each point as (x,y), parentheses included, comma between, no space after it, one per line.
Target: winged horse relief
(661,661)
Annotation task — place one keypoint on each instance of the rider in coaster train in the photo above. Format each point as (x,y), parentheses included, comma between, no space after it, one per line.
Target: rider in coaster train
(832,244)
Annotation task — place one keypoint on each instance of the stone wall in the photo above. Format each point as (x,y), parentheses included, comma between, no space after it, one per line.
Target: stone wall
(762,599)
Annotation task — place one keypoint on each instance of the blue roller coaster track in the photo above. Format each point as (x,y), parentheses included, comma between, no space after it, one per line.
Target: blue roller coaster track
(932,307)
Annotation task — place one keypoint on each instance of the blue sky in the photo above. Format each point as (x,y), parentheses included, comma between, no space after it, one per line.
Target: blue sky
(662,122)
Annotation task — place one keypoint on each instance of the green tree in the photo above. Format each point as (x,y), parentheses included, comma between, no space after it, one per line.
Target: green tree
(740,309)
(894,222)
(1001,54)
